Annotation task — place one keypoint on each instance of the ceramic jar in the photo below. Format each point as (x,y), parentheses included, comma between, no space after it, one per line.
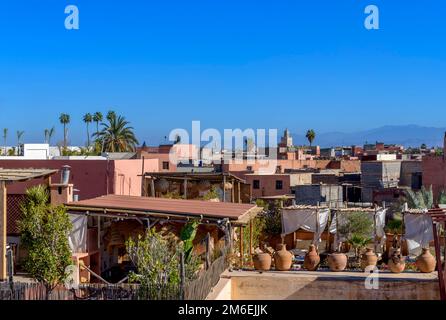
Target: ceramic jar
(396,262)
(369,258)
(312,259)
(262,261)
(425,261)
(283,259)
(337,261)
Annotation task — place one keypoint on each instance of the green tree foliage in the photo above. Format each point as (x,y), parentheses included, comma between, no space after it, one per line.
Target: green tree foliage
(187,235)
(310,135)
(116,135)
(97,118)
(357,229)
(88,118)
(5,136)
(64,119)
(44,232)
(157,262)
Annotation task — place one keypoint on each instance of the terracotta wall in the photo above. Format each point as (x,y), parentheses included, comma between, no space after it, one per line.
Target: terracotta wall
(345,165)
(268,185)
(434,173)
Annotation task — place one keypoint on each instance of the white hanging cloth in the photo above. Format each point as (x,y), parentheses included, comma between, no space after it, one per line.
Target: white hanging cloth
(77,239)
(313,220)
(418,232)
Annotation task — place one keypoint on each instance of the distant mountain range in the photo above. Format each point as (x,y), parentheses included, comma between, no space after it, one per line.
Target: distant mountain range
(406,135)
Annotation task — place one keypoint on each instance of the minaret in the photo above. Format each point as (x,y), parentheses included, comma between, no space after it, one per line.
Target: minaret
(287,140)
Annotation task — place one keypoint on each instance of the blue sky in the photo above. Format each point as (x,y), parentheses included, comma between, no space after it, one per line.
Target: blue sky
(229,64)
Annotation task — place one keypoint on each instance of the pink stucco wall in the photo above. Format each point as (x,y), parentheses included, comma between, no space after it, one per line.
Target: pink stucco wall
(92,178)
(127,175)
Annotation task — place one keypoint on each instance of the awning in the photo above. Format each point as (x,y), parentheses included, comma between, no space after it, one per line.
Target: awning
(147,207)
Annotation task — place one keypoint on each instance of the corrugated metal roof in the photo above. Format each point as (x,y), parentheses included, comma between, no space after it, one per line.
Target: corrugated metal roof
(24,174)
(177,207)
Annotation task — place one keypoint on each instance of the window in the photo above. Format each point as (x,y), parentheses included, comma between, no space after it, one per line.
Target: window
(249,168)
(279,185)
(165,165)
(256,184)
(278,169)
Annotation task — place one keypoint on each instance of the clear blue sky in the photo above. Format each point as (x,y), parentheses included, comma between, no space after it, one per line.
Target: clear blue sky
(228,63)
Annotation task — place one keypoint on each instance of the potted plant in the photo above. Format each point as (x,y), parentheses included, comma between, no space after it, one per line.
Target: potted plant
(393,228)
(356,229)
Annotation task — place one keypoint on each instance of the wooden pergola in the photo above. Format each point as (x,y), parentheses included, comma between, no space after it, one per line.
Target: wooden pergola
(438,216)
(8,176)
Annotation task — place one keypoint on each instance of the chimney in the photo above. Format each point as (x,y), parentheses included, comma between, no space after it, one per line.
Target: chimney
(62,192)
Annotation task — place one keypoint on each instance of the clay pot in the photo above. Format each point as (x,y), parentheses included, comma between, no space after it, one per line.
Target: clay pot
(337,261)
(369,258)
(426,261)
(262,261)
(312,259)
(396,263)
(283,258)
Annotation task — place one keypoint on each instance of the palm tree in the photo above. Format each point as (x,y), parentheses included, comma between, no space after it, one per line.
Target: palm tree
(5,136)
(310,136)
(97,117)
(87,119)
(19,137)
(111,115)
(116,135)
(64,119)
(49,134)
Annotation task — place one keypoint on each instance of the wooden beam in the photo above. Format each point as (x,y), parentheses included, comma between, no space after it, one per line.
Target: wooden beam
(185,188)
(238,191)
(233,191)
(241,247)
(3,215)
(224,188)
(250,238)
(152,188)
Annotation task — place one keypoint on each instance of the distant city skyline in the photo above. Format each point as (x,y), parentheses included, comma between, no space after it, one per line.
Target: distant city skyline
(234,64)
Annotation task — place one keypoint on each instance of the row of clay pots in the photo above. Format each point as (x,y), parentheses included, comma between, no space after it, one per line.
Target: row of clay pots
(337,261)
(425,261)
(283,260)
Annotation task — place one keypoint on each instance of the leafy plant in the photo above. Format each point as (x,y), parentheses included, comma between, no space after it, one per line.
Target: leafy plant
(358,242)
(157,260)
(394,226)
(171,195)
(356,229)
(187,235)
(211,194)
(442,197)
(44,232)
(422,199)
